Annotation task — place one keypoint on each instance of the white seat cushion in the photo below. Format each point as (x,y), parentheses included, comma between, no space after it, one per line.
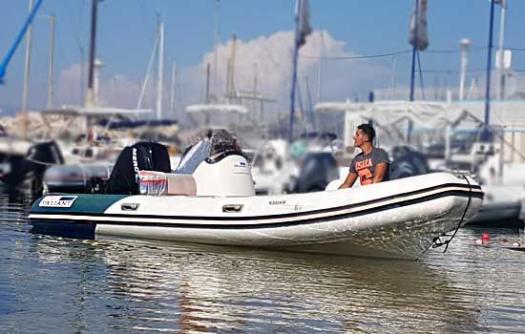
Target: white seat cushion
(159,183)
(181,184)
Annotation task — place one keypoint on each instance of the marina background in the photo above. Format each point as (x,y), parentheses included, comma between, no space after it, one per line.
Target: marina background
(183,63)
(265,33)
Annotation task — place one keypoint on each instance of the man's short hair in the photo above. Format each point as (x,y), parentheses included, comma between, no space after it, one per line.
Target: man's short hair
(368,130)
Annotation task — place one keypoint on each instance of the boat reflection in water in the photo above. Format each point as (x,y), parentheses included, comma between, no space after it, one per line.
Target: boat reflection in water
(155,286)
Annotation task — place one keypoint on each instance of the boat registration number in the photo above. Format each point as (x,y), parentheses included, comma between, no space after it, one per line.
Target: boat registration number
(57,201)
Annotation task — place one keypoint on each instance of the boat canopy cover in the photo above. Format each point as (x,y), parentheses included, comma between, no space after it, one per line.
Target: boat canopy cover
(430,115)
(210,145)
(213,108)
(95,111)
(131,124)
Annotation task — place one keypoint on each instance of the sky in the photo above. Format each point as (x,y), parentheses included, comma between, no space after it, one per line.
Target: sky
(264,30)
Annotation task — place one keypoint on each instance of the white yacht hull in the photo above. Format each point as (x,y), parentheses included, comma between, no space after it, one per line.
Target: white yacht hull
(502,206)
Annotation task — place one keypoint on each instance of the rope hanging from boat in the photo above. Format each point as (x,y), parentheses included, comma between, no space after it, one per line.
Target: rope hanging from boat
(437,240)
(43,163)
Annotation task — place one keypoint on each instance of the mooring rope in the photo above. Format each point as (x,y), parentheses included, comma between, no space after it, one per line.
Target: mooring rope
(437,240)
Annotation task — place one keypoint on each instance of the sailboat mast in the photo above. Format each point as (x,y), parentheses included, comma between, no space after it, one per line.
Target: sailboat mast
(231,74)
(25,92)
(160,69)
(215,51)
(501,81)
(92,54)
(393,78)
(320,68)
(147,75)
(208,83)
(464,46)
(50,77)
(501,69)
(414,53)
(486,132)
(172,90)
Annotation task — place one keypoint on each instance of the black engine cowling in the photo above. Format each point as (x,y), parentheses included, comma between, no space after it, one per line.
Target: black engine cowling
(141,156)
(31,167)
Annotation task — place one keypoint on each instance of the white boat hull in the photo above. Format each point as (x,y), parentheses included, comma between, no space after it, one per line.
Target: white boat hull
(404,236)
(396,219)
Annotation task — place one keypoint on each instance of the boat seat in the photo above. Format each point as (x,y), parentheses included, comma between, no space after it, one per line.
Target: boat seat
(159,183)
(181,184)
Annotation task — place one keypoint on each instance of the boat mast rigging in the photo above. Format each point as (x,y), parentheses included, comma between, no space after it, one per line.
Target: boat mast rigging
(27,70)
(90,95)
(414,52)
(486,134)
(160,69)
(51,65)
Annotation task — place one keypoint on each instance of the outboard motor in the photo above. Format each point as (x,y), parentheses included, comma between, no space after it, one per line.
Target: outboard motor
(78,178)
(218,166)
(132,159)
(407,162)
(39,157)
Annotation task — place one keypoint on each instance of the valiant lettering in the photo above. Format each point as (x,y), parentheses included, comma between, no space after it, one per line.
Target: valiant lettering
(57,201)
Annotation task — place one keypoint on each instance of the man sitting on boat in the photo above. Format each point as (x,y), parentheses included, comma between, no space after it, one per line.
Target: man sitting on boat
(371,165)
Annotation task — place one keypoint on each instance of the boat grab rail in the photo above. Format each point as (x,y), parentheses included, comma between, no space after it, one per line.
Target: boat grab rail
(218,157)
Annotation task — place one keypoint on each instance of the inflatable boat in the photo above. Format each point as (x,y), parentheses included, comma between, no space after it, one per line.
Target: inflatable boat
(211,200)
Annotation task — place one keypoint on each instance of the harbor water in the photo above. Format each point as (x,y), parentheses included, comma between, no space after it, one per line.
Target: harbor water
(50,284)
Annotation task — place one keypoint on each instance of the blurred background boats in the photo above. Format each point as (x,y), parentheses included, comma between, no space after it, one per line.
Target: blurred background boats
(447,132)
(438,121)
(446,137)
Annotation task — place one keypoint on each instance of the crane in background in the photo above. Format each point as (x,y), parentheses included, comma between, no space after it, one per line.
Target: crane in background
(18,40)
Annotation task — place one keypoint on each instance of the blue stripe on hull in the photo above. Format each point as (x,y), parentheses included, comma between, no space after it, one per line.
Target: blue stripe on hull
(68,229)
(84,203)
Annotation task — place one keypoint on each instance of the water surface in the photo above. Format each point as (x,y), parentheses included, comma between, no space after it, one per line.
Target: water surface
(50,284)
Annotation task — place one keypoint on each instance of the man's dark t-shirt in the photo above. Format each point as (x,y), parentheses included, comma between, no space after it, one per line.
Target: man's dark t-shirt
(365,165)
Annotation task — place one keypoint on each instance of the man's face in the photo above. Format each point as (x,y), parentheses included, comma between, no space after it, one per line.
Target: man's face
(360,138)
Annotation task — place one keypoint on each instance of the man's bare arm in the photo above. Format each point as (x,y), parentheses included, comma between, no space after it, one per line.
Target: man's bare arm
(349,181)
(380,172)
